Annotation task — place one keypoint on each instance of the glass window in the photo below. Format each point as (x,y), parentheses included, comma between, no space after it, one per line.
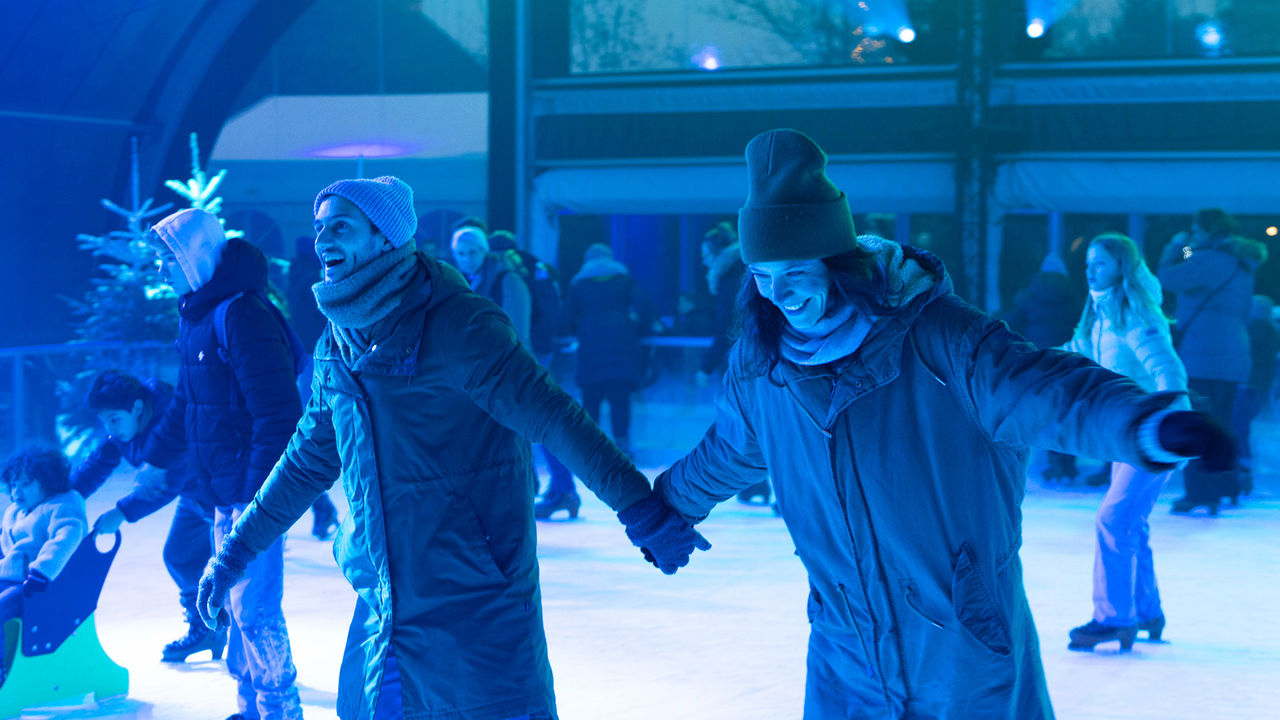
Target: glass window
(1130,29)
(665,35)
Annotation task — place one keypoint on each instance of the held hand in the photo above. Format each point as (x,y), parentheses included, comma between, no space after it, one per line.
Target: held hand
(108,522)
(663,537)
(224,570)
(1197,435)
(36,582)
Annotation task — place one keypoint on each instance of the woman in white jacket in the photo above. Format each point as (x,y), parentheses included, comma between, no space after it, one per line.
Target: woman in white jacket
(1124,330)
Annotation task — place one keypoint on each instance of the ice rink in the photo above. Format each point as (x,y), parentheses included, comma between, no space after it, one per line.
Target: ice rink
(725,637)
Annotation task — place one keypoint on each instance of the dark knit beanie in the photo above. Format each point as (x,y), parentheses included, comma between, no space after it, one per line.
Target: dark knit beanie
(387,201)
(793,210)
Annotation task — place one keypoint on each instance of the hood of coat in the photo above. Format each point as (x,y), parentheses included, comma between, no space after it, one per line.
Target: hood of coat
(196,238)
(1250,253)
(241,268)
(727,260)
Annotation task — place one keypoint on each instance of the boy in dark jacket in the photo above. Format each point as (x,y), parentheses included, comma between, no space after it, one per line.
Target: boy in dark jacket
(234,408)
(421,400)
(130,412)
(894,420)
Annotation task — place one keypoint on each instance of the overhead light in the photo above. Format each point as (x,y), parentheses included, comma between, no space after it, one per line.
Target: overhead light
(1035,28)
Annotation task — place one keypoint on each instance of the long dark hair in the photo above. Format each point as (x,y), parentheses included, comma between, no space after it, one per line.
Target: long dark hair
(856,278)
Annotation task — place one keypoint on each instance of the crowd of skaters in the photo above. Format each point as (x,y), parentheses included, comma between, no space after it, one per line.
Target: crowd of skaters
(429,381)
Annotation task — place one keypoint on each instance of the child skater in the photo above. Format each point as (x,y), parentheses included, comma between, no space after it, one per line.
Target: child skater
(1123,329)
(40,530)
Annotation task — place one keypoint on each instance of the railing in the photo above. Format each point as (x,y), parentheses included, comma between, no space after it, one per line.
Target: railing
(40,374)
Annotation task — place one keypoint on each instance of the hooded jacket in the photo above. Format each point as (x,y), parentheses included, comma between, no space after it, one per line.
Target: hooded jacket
(1214,287)
(1143,352)
(899,471)
(234,407)
(426,430)
(604,310)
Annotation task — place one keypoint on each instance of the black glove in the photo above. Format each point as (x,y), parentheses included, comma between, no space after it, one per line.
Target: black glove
(666,540)
(1196,434)
(224,570)
(36,582)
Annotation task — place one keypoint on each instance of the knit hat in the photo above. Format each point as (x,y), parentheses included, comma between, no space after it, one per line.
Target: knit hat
(793,211)
(387,201)
(598,251)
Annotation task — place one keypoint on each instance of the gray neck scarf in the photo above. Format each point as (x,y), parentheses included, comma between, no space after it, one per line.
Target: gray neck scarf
(371,292)
(835,336)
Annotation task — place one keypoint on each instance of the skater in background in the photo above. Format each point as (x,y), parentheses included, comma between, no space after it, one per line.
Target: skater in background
(40,530)
(894,420)
(130,412)
(1211,270)
(1123,329)
(231,416)
(422,400)
(1044,312)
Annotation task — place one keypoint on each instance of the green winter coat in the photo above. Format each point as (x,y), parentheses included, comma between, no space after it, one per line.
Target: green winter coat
(899,472)
(428,433)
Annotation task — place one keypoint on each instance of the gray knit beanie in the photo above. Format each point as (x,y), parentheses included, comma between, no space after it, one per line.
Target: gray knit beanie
(387,201)
(793,211)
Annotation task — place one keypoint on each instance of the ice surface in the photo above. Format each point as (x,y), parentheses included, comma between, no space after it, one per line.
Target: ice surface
(725,637)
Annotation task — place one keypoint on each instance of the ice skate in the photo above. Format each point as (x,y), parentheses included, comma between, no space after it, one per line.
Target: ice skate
(1090,634)
(198,638)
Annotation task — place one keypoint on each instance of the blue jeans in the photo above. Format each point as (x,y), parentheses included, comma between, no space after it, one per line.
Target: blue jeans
(10,608)
(188,549)
(1124,575)
(258,653)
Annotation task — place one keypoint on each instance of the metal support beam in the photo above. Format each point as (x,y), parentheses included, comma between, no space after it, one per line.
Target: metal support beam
(974,160)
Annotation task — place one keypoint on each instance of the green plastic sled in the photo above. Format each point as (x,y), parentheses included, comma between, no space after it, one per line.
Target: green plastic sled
(52,654)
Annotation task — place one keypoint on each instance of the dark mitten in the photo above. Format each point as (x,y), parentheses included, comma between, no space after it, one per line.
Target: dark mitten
(224,570)
(36,582)
(1196,434)
(666,540)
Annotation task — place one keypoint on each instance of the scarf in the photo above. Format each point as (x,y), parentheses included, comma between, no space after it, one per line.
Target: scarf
(366,296)
(837,335)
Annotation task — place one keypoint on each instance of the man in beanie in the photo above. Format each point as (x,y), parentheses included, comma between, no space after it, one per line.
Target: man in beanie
(894,420)
(236,406)
(421,400)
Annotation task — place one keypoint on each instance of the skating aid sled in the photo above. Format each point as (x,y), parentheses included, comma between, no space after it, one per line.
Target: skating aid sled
(52,653)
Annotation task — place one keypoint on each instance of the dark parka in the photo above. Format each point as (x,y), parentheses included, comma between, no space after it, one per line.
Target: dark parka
(235,406)
(1214,287)
(899,472)
(604,310)
(425,430)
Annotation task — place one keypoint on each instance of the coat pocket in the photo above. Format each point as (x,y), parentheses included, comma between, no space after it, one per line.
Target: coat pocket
(976,607)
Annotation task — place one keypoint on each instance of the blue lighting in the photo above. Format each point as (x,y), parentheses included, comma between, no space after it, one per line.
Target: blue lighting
(1210,35)
(366,149)
(708,58)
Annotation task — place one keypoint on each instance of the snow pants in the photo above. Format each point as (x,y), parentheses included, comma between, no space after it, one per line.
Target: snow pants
(258,653)
(1124,576)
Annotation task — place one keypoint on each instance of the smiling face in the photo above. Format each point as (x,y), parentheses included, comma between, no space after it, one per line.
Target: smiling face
(801,289)
(345,239)
(25,492)
(1102,269)
(468,251)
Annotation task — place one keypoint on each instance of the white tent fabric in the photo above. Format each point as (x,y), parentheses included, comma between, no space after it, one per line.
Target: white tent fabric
(1243,185)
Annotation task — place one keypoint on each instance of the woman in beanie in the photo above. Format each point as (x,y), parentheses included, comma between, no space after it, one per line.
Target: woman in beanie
(422,400)
(894,420)
(1122,328)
